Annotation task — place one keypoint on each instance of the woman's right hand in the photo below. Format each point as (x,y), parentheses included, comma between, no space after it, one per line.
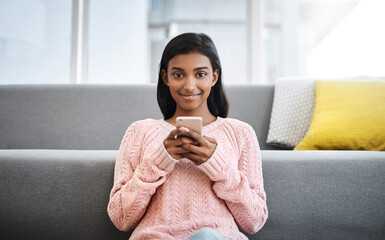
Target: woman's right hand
(174,143)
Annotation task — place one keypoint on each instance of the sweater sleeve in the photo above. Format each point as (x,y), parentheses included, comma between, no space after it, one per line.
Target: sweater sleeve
(139,170)
(240,185)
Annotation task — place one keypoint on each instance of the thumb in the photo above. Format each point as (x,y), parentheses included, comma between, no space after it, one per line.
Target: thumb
(210,139)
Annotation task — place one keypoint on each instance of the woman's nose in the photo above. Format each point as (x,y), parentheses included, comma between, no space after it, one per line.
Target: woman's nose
(190,84)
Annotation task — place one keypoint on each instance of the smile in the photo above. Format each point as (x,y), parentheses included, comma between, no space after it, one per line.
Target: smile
(190,97)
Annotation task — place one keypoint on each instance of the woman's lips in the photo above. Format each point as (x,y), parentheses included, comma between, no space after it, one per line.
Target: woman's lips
(190,97)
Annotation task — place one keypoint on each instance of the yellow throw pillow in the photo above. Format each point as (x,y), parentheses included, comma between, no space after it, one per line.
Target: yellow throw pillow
(348,115)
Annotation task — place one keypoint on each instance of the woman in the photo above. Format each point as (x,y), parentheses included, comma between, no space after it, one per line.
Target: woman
(203,186)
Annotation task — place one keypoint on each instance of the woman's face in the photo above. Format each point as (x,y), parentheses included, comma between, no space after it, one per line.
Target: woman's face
(190,78)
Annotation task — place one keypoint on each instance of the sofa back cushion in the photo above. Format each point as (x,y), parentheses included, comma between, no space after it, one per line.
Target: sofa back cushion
(95,117)
(71,116)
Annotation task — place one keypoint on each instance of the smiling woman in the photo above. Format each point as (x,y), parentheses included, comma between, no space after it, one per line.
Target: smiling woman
(190,78)
(202,63)
(201,186)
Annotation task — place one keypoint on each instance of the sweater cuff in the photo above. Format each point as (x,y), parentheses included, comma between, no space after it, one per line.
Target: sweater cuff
(215,167)
(163,159)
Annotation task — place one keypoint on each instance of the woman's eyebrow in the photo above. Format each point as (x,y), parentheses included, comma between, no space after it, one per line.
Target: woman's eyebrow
(195,69)
(176,68)
(200,68)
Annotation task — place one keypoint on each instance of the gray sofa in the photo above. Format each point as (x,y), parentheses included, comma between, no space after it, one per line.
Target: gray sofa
(58,145)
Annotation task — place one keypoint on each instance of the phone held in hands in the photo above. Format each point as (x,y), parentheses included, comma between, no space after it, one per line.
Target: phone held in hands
(193,123)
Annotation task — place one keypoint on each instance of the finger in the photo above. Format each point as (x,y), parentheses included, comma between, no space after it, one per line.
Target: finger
(177,156)
(187,140)
(210,139)
(178,150)
(173,133)
(171,143)
(182,131)
(193,148)
(203,151)
(198,138)
(198,160)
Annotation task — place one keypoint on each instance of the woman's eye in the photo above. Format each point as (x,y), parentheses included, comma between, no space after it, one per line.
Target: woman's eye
(201,74)
(178,75)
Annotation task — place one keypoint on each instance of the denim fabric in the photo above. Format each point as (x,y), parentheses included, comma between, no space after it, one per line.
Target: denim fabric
(207,234)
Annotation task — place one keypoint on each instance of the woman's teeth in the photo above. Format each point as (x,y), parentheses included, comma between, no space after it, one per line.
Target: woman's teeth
(190,96)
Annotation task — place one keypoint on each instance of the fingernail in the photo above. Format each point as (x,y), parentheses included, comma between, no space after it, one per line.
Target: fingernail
(184,129)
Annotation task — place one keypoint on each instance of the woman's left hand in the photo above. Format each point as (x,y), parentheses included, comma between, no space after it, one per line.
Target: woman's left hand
(201,150)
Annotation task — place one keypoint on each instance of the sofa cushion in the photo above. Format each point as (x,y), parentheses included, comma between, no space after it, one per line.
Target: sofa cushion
(95,117)
(63,194)
(347,115)
(252,104)
(291,112)
(56,194)
(70,116)
(292,109)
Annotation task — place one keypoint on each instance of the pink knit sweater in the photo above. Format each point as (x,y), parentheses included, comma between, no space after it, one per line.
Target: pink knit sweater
(163,198)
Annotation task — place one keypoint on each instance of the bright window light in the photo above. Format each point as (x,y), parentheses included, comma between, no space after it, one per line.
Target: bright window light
(355,47)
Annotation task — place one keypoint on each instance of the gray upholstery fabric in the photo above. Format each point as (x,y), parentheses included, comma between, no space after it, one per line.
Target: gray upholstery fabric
(256,101)
(95,117)
(56,194)
(72,116)
(324,195)
(63,194)
(56,176)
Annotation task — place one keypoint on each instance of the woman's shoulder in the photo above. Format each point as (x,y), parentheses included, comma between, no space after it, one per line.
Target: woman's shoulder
(148,122)
(242,131)
(142,126)
(238,125)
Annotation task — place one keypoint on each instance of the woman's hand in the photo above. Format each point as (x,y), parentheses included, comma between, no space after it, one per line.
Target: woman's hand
(200,149)
(174,143)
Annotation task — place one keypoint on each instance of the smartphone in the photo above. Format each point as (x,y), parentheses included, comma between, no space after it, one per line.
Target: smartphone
(193,123)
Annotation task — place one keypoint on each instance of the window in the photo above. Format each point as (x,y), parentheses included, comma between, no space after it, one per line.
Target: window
(121,42)
(325,39)
(35,44)
(355,46)
(118,42)
(224,21)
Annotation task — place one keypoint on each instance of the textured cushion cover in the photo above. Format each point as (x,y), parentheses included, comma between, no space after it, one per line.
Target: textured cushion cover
(347,116)
(56,194)
(63,194)
(95,117)
(252,104)
(292,109)
(72,116)
(292,112)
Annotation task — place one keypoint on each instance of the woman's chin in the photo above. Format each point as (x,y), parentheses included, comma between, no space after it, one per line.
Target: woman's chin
(190,107)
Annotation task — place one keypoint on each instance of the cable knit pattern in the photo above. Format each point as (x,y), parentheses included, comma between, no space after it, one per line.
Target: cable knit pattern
(163,198)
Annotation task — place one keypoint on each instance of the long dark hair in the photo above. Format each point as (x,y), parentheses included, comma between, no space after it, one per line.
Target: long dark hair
(183,44)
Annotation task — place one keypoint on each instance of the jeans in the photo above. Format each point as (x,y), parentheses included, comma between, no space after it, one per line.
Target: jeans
(207,234)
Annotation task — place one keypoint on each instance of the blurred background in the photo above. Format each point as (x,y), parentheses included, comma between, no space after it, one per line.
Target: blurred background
(121,41)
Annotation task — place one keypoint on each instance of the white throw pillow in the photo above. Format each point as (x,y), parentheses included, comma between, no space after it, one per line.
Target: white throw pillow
(292,111)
